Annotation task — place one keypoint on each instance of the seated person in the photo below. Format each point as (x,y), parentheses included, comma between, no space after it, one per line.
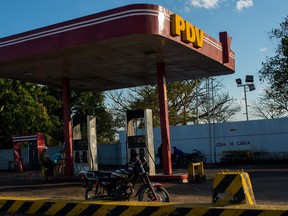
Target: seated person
(57,160)
(46,163)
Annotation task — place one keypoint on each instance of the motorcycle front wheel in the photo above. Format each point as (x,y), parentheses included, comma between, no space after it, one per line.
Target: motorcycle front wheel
(95,192)
(146,194)
(203,159)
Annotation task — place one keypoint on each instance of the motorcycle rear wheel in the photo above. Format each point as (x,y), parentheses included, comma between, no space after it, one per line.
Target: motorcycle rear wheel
(95,192)
(146,194)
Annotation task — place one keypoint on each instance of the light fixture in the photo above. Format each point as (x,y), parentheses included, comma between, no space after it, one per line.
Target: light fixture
(251,87)
(238,81)
(249,79)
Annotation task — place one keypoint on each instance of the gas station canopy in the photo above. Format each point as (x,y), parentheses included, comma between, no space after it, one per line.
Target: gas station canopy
(124,47)
(115,49)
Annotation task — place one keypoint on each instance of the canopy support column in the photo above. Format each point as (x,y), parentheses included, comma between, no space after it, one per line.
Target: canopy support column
(67,127)
(164,119)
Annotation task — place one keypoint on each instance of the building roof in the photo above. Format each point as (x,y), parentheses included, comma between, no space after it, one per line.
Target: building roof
(114,49)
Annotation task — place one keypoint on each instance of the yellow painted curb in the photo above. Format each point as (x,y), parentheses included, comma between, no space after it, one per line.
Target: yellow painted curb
(47,207)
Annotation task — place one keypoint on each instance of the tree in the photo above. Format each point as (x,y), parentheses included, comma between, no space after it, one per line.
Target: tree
(267,108)
(275,72)
(21,112)
(189,102)
(82,105)
(27,108)
(92,103)
(52,100)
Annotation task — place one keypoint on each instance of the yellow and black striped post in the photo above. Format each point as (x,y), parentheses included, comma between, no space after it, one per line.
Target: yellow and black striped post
(233,188)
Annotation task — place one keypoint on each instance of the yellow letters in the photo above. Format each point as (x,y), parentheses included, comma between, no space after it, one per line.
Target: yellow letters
(199,37)
(177,25)
(188,36)
(188,32)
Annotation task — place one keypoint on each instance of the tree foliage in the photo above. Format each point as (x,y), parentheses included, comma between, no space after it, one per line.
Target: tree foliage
(92,103)
(27,108)
(21,111)
(189,102)
(275,72)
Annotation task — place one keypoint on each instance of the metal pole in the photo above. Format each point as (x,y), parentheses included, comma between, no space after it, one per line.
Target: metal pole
(246,102)
(209,118)
(213,121)
(197,102)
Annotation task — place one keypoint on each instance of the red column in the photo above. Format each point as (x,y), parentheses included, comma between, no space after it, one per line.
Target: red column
(164,120)
(226,42)
(67,127)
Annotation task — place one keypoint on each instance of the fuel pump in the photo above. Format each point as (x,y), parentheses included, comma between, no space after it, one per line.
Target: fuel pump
(34,143)
(84,150)
(80,150)
(140,136)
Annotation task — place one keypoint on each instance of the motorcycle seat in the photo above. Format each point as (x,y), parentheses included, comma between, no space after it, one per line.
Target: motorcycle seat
(98,174)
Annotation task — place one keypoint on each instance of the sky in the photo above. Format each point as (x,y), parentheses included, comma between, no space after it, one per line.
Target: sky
(248,22)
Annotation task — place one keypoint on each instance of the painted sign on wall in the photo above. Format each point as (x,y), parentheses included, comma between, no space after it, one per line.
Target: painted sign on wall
(232,143)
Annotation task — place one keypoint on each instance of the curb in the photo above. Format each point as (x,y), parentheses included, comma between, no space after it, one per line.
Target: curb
(48,207)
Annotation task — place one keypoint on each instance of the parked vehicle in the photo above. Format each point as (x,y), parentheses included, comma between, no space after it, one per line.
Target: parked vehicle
(196,156)
(120,184)
(186,158)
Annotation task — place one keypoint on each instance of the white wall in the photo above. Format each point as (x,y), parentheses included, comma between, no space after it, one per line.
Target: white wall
(109,154)
(7,157)
(267,139)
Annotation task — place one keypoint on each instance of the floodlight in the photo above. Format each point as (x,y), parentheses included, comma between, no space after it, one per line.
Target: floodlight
(238,81)
(249,78)
(251,87)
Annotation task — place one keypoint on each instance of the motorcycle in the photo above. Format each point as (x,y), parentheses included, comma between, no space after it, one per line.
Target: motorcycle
(196,157)
(119,185)
(186,158)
